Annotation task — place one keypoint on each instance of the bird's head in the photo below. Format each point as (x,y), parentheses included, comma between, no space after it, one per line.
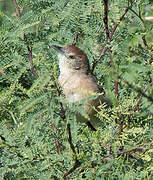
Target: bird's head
(71,58)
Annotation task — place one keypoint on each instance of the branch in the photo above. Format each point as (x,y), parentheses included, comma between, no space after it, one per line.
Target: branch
(135,88)
(77,163)
(62,113)
(75,166)
(116,83)
(138,15)
(121,18)
(138,103)
(125,152)
(25,39)
(100,57)
(106,19)
(58,145)
(70,138)
(90,126)
(31,62)
(144,41)
(18,9)
(108,40)
(111,35)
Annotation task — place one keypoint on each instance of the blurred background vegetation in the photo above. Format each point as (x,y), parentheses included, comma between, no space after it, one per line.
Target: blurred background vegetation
(7,7)
(33,137)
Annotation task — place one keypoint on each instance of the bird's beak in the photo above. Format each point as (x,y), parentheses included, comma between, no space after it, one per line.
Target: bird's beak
(57,48)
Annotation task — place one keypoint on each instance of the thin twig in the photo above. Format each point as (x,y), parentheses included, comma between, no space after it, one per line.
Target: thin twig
(75,166)
(121,18)
(77,163)
(58,146)
(138,90)
(140,149)
(90,126)
(138,15)
(116,83)
(31,62)
(70,138)
(116,88)
(127,152)
(18,9)
(106,19)
(3,138)
(110,37)
(62,113)
(144,41)
(75,38)
(25,39)
(107,34)
(138,103)
(100,57)
(57,143)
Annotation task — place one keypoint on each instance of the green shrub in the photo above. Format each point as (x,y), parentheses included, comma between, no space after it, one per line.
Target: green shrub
(33,135)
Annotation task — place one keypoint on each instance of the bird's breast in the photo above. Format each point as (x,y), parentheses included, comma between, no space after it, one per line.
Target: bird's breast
(77,86)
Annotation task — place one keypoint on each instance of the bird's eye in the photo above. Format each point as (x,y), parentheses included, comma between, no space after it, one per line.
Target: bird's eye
(72,57)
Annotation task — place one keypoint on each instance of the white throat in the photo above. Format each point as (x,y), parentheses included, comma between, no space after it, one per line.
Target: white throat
(63,65)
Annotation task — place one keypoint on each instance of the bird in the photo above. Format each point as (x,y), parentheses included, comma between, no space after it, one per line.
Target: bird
(78,83)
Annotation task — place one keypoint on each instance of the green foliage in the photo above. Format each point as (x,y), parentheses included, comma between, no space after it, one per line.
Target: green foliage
(31,125)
